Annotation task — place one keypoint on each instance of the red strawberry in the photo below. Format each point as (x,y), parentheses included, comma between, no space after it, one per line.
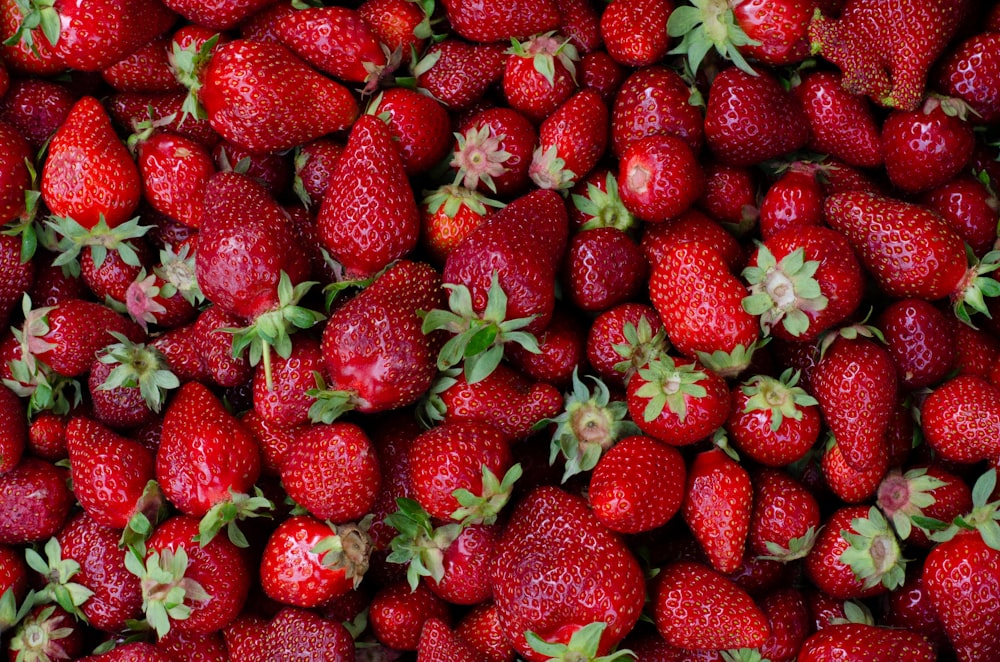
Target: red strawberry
(847,483)
(13,430)
(696,607)
(137,650)
(635,31)
(458,74)
(314,162)
(293,631)
(700,303)
(659,177)
(717,504)
(146,69)
(480,628)
(659,238)
(653,100)
(912,500)
(969,205)
(909,607)
(919,340)
(369,216)
(195,588)
(15,157)
(731,195)
(581,23)
(494,151)
(397,614)
(418,124)
(970,73)
(287,403)
(175,170)
(785,517)
(840,123)
(539,75)
(488,23)
(622,340)
(543,546)
(128,385)
(401,25)
(795,199)
(571,141)
(26,48)
(751,118)
(885,49)
(308,563)
(37,502)
(217,15)
(332,471)
(926,147)
(960,417)
(130,109)
(439,643)
(88,172)
(592,286)
(450,214)
(859,642)
(47,632)
(599,72)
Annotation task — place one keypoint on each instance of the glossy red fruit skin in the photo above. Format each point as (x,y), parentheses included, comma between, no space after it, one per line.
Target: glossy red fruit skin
(466,579)
(488,23)
(753,436)
(607,330)
(840,123)
(542,546)
(397,614)
(823,566)
(653,100)
(783,508)
(860,642)
(849,484)
(461,73)
(335,40)
(95,35)
(291,573)
(909,607)
(14,175)
(635,31)
(13,430)
(175,170)
(963,581)
(592,286)
(420,127)
(292,631)
(480,628)
(519,140)
(693,225)
(718,499)
(788,617)
(970,208)
(659,177)
(36,500)
(972,73)
(925,148)
(781,28)
(794,200)
(960,419)
(638,485)
(919,340)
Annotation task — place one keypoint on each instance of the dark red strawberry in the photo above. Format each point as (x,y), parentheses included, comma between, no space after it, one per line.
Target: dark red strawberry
(971,73)
(457,73)
(397,614)
(592,286)
(439,643)
(840,123)
(795,199)
(292,631)
(419,125)
(217,16)
(175,170)
(957,416)
(489,23)
(540,74)
(599,72)
(969,205)
(494,150)
(652,100)
(919,340)
(658,238)
(37,502)
(785,517)
(13,430)
(622,340)
(861,641)
(635,31)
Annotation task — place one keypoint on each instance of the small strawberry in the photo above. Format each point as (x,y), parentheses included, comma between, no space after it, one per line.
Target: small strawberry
(128,384)
(969,205)
(840,123)
(659,177)
(419,125)
(292,631)
(718,500)
(480,628)
(287,403)
(847,483)
(175,170)
(975,85)
(919,339)
(635,31)
(571,141)
(731,196)
(623,339)
(658,238)
(146,69)
(457,73)
(486,23)
(35,495)
(592,286)
(540,75)
(450,214)
(401,25)
(397,614)
(785,517)
(795,199)
(959,419)
(47,632)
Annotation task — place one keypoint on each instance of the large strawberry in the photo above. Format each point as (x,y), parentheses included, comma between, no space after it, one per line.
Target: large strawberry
(369,215)
(885,49)
(557,570)
(960,419)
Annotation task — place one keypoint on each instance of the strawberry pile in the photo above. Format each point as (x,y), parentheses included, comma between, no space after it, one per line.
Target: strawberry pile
(522,329)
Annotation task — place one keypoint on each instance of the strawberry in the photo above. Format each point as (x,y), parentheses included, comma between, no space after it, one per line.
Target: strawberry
(115,594)
(976,85)
(488,23)
(131,109)
(581,22)
(731,195)
(696,607)
(287,403)
(637,485)
(909,607)
(292,631)
(959,417)
(194,588)
(337,41)
(795,199)
(635,31)
(217,16)
(912,500)
(397,613)
(25,46)
(401,25)
(969,206)
(36,499)
(314,162)
(206,456)
(457,73)
(840,123)
(86,145)
(540,75)
(439,643)
(653,100)
(961,576)
(919,340)
(571,141)
(659,177)
(369,216)
(926,147)
(785,517)
(111,476)
(700,303)
(266,121)
(658,238)
(13,430)
(860,641)
(494,150)
(146,69)
(803,281)
(541,546)
(182,645)
(332,471)
(375,353)
(599,72)
(591,286)
(128,384)
(676,401)
(848,483)
(418,124)
(855,385)
(597,204)
(480,628)
(137,650)
(773,421)
(449,214)
(175,170)
(15,159)
(751,118)
(884,50)
(47,632)
(856,555)
(307,563)
(717,505)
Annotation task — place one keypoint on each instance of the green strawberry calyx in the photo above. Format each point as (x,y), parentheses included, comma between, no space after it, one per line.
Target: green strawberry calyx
(420,545)
(669,386)
(479,157)
(583,646)
(708,24)
(227,515)
(137,365)
(984,517)
(874,552)
(604,206)
(640,346)
(782,397)
(783,291)
(100,239)
(59,573)
(485,507)
(903,496)
(39,635)
(166,593)
(970,294)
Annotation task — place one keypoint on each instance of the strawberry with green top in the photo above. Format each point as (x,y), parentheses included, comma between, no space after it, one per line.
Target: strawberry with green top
(571,141)
(540,75)
(922,500)
(785,517)
(494,151)
(449,214)
(129,383)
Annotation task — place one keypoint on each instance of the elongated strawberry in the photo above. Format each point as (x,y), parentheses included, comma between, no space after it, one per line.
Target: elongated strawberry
(571,141)
(89,173)
(717,504)
(885,49)
(174,171)
(861,641)
(369,216)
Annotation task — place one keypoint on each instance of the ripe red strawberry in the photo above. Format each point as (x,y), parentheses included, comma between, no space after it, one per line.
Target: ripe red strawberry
(592,286)
(439,643)
(622,340)
(884,49)
(795,199)
(717,504)
(35,496)
(314,162)
(540,75)
(293,631)
(401,25)
(543,545)
(174,170)
(731,195)
(879,227)
(785,517)
(449,215)
(909,607)
(599,72)
(375,353)
(337,41)
(700,303)
(131,109)
(146,69)
(13,430)
(206,456)
(912,500)
(332,471)
(419,125)
(457,73)
(287,402)
(847,483)
(88,172)
(480,628)
(638,485)
(652,100)
(111,475)
(788,616)
(919,340)
(269,120)
(15,156)
(659,177)
(803,280)
(137,650)
(571,141)
(962,578)
(581,22)
(840,123)
(561,349)
(970,72)
(217,16)
(635,31)
(773,421)
(856,555)
(751,118)
(128,384)
(397,613)
(489,23)
(308,563)
(494,150)
(195,588)
(969,206)
(25,48)
(115,593)
(696,607)
(369,216)
(861,641)
(958,419)
(676,401)
(692,225)
(926,147)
